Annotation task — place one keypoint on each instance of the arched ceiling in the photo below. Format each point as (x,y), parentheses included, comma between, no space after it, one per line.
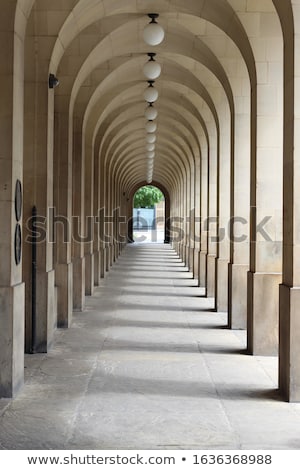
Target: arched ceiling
(96,49)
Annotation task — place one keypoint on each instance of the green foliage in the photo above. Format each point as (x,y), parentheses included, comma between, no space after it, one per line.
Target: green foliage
(147,197)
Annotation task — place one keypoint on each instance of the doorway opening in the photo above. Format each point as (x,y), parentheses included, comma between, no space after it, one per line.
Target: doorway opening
(149,215)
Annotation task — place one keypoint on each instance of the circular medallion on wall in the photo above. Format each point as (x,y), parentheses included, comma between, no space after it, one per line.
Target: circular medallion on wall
(18,200)
(18,244)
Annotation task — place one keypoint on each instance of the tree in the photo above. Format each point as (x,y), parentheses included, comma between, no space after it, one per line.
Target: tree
(147,197)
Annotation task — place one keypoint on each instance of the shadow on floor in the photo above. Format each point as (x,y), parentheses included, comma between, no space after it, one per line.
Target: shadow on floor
(167,277)
(163,308)
(184,388)
(167,347)
(157,324)
(162,294)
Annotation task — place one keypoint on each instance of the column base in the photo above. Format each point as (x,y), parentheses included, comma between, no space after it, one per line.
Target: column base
(52,308)
(237,296)
(12,306)
(182,252)
(289,344)
(222,283)
(46,313)
(203,269)
(78,284)
(112,254)
(107,258)
(102,262)
(191,260)
(187,256)
(211,276)
(196,263)
(97,268)
(263,313)
(64,283)
(89,273)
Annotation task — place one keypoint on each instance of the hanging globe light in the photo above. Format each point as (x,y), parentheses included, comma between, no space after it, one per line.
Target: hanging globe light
(151,138)
(150,155)
(151,93)
(150,147)
(153,33)
(151,126)
(151,113)
(152,69)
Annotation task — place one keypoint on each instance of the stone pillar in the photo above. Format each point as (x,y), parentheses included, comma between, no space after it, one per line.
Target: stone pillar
(38,192)
(101,223)
(89,218)
(289,294)
(11,154)
(197,230)
(211,223)
(63,218)
(265,276)
(192,219)
(239,219)
(78,237)
(204,214)
(223,209)
(96,208)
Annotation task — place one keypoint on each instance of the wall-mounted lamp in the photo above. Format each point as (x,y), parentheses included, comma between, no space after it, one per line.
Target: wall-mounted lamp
(53,81)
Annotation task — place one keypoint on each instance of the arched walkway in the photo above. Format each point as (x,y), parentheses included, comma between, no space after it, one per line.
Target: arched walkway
(226,158)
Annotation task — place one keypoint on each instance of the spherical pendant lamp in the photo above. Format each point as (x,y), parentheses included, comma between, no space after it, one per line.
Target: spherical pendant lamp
(151,113)
(150,155)
(151,93)
(151,138)
(153,33)
(152,69)
(151,126)
(150,147)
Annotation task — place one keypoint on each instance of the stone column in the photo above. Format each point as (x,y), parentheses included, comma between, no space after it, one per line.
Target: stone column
(78,237)
(204,214)
(211,223)
(289,294)
(11,155)
(197,189)
(89,218)
(38,192)
(192,219)
(101,216)
(223,209)
(96,207)
(265,276)
(63,218)
(239,217)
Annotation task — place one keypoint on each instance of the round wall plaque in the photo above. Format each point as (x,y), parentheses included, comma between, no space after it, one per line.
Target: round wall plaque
(18,244)
(18,200)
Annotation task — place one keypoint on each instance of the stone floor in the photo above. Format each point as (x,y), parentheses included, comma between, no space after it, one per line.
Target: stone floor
(149,365)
